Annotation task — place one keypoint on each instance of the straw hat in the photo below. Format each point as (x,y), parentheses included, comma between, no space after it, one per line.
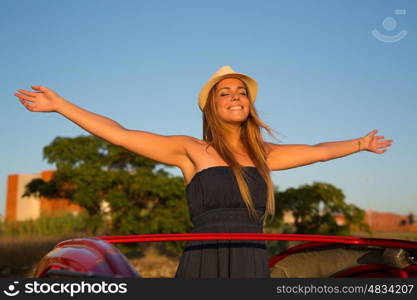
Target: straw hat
(225,72)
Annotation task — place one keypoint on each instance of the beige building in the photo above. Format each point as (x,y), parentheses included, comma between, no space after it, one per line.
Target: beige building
(19,208)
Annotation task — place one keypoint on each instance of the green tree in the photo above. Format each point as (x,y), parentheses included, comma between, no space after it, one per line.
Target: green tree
(314,208)
(142,200)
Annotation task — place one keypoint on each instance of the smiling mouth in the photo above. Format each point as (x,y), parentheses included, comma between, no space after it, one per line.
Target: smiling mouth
(237,108)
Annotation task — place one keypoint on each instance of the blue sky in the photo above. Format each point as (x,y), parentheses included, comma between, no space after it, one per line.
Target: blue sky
(322,77)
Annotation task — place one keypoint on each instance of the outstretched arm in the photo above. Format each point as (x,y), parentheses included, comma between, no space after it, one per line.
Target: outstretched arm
(370,143)
(47,100)
(170,150)
(283,157)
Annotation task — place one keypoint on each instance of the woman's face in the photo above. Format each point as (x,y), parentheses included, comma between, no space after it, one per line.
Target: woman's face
(231,101)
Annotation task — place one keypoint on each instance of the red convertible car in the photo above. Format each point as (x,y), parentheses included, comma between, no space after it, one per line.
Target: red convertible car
(316,256)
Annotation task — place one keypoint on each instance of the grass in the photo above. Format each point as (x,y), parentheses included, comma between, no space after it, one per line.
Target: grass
(20,254)
(62,224)
(155,262)
(23,244)
(401,235)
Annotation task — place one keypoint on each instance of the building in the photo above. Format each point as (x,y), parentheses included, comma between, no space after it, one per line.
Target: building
(377,221)
(386,221)
(20,208)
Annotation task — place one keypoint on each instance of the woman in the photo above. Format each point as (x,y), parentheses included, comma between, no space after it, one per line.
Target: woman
(227,174)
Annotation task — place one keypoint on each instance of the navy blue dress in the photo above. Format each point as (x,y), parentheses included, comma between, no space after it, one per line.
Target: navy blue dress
(216,206)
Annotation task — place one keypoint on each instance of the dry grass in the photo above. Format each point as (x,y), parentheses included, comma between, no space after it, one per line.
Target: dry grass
(155,263)
(19,255)
(400,235)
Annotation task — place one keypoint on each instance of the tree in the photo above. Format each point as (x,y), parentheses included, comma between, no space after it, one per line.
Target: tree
(314,208)
(91,170)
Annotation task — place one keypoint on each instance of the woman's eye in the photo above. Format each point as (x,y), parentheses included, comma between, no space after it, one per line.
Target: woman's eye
(244,94)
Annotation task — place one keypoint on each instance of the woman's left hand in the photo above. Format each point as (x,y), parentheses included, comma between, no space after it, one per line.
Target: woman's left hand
(373,143)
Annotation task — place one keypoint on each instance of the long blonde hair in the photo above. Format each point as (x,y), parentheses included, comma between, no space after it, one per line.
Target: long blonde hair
(252,139)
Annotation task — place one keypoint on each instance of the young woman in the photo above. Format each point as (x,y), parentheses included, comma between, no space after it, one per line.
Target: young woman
(227,173)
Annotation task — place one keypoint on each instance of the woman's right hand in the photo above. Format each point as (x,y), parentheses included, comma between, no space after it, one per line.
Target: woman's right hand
(45,100)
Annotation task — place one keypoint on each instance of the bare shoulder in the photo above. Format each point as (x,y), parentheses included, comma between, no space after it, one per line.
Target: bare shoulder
(170,150)
(183,139)
(189,142)
(194,142)
(194,156)
(186,142)
(269,146)
(191,146)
